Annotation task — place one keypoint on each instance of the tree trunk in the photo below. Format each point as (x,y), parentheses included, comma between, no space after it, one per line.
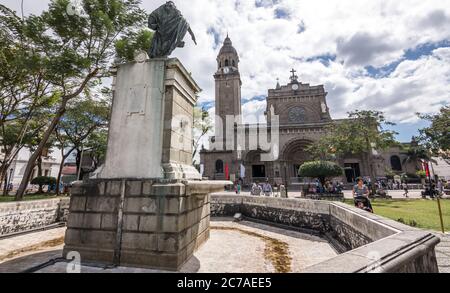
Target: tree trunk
(29,169)
(5,184)
(61,166)
(39,174)
(371,174)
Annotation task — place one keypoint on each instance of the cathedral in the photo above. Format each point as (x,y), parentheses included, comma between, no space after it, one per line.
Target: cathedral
(302,115)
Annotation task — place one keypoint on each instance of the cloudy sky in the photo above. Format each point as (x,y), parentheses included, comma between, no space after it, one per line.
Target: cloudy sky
(392,56)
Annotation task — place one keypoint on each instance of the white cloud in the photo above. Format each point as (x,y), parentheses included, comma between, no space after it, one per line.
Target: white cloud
(358,32)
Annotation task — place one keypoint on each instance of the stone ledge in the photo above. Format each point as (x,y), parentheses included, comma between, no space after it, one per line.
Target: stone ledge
(379,244)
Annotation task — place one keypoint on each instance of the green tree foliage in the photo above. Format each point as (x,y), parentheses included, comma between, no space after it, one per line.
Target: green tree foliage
(202,125)
(25,96)
(127,46)
(417,153)
(74,51)
(321,170)
(43,180)
(361,134)
(81,122)
(436,138)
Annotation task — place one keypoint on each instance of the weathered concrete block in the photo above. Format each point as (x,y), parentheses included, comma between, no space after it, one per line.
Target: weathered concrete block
(167,243)
(140,241)
(102,204)
(75,220)
(114,188)
(177,189)
(145,205)
(134,188)
(92,221)
(131,223)
(78,203)
(171,205)
(147,188)
(109,222)
(170,224)
(148,223)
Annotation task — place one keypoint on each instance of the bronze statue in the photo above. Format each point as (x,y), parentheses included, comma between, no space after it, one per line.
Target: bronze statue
(170,29)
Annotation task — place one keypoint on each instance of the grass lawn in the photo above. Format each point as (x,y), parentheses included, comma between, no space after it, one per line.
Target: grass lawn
(27,197)
(415,212)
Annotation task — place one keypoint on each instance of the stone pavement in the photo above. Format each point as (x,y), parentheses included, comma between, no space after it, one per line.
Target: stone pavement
(244,247)
(396,194)
(443,253)
(30,243)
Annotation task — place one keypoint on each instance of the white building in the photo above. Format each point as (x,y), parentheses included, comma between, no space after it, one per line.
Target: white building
(442,169)
(50,165)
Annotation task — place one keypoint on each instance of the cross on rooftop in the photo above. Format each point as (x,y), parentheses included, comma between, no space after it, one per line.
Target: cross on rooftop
(294,78)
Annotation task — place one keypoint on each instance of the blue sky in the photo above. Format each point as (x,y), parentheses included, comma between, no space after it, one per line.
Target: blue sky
(390,55)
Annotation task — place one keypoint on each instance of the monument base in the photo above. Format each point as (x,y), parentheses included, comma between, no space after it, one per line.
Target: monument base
(154,224)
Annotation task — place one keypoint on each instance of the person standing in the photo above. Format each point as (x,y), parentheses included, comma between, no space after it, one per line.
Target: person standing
(440,188)
(405,188)
(267,188)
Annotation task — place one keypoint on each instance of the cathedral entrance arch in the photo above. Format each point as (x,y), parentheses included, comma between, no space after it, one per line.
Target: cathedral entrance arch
(259,169)
(295,154)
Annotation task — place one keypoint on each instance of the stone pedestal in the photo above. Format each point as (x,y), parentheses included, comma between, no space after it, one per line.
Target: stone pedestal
(139,223)
(143,208)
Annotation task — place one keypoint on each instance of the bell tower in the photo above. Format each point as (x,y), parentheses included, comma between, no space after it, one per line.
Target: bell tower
(228,86)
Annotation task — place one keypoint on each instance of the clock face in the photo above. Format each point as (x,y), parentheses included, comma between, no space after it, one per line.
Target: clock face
(295,87)
(226,70)
(297,115)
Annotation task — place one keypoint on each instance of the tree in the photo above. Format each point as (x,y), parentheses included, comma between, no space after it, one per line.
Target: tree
(417,153)
(76,51)
(361,134)
(43,180)
(24,92)
(84,116)
(436,138)
(321,170)
(127,46)
(202,125)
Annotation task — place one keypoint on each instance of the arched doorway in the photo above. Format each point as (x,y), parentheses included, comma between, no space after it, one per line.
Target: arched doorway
(258,171)
(219,167)
(294,155)
(396,164)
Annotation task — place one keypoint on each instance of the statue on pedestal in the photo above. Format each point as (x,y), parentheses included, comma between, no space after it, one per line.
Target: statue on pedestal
(170,29)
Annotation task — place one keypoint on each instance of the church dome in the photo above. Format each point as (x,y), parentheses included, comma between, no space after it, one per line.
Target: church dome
(227,47)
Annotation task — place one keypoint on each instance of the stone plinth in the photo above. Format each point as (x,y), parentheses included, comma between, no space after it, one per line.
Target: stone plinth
(136,124)
(139,223)
(151,128)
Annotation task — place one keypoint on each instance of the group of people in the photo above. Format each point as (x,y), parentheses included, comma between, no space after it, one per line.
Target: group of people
(265,189)
(330,187)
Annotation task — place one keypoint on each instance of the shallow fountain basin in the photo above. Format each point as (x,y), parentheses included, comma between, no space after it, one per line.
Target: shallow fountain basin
(367,242)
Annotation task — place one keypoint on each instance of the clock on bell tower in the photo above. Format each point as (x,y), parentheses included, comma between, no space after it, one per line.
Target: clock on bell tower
(228,85)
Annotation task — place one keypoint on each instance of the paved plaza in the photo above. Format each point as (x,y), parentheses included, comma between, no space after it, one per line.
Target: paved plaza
(233,248)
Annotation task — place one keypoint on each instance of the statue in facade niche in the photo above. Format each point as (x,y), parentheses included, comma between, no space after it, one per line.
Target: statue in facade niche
(170,29)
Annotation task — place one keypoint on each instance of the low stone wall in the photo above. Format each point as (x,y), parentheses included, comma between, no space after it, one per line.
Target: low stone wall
(371,243)
(24,216)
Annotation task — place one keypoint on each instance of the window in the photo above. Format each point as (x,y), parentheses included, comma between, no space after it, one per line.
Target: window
(219,167)
(234,64)
(227,63)
(396,164)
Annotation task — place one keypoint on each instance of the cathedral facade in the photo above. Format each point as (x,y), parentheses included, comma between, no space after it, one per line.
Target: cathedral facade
(297,115)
